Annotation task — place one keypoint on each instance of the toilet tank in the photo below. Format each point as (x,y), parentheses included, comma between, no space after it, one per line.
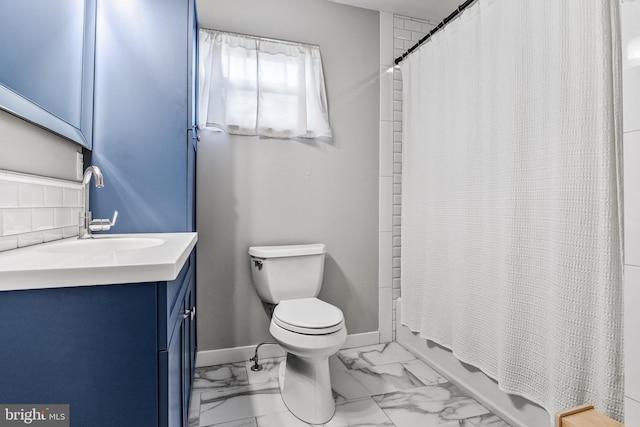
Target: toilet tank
(287,272)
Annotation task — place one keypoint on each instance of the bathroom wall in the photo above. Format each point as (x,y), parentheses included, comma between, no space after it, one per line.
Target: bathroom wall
(38,200)
(253,191)
(630,12)
(397,34)
(28,148)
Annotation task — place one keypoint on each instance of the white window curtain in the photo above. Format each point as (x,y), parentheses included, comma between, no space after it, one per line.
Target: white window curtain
(253,86)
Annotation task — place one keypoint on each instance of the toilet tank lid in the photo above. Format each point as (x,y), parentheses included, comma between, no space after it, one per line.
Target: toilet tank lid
(286,251)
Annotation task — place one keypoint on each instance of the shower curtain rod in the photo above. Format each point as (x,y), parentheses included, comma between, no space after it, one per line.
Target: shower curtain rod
(437,28)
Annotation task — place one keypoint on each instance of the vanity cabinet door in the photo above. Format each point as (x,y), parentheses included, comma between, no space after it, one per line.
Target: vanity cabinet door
(177,358)
(91,347)
(188,349)
(171,381)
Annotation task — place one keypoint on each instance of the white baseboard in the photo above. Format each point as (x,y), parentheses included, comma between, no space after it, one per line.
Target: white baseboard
(361,340)
(241,354)
(236,354)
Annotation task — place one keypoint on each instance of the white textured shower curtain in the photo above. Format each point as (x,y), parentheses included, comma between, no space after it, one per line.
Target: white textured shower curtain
(511,205)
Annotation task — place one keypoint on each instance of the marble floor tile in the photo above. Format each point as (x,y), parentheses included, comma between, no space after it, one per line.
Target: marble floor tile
(345,386)
(269,373)
(379,354)
(236,403)
(219,376)
(363,412)
(441,405)
(385,378)
(280,419)
(194,409)
(379,385)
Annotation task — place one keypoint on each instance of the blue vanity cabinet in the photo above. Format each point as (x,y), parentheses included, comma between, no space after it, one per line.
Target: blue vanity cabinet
(144,115)
(119,355)
(178,350)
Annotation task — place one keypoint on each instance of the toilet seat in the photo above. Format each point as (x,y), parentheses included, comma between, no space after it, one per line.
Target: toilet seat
(309,316)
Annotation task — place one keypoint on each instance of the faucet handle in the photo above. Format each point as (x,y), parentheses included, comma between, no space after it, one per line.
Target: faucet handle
(103,224)
(114,219)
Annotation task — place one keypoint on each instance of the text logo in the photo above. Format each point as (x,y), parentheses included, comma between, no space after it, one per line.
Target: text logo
(34,415)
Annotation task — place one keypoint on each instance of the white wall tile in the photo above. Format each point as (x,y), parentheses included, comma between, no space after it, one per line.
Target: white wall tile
(401,34)
(7,243)
(16,221)
(53,234)
(397,168)
(53,197)
(631,412)
(71,198)
(413,25)
(632,334)
(8,194)
(416,36)
(385,203)
(30,239)
(42,219)
(426,28)
(32,206)
(62,217)
(75,216)
(384,259)
(69,231)
(632,197)
(30,195)
(630,17)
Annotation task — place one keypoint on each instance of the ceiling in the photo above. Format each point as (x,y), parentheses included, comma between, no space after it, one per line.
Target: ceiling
(430,10)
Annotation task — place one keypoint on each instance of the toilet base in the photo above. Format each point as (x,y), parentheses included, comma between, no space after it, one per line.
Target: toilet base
(305,386)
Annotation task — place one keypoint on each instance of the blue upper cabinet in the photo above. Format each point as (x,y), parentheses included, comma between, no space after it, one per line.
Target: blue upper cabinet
(46,71)
(143,114)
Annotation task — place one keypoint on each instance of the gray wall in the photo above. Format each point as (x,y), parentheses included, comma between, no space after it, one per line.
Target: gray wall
(27,148)
(253,191)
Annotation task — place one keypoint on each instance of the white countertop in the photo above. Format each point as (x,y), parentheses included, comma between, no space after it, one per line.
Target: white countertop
(60,264)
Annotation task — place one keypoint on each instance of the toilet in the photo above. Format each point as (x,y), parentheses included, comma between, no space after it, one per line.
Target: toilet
(309,330)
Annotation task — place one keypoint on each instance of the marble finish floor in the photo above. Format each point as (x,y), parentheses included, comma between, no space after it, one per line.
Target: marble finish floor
(379,385)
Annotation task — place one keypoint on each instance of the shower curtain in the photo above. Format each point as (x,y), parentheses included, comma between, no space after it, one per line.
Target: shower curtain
(511,205)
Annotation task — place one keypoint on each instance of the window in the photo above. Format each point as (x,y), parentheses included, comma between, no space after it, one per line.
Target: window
(253,86)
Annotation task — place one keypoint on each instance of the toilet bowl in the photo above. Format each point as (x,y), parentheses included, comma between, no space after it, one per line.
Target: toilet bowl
(308,329)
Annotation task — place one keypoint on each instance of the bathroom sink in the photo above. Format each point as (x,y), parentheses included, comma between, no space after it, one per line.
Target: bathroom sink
(106,259)
(101,245)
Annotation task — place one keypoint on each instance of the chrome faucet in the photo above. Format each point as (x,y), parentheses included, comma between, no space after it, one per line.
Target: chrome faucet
(86,225)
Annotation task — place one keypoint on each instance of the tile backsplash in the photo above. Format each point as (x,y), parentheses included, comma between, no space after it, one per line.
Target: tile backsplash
(36,209)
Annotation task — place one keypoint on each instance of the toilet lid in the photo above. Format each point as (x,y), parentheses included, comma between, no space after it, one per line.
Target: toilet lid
(308,316)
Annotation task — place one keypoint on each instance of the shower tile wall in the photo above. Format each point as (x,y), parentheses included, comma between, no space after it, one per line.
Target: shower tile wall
(397,34)
(630,14)
(36,209)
